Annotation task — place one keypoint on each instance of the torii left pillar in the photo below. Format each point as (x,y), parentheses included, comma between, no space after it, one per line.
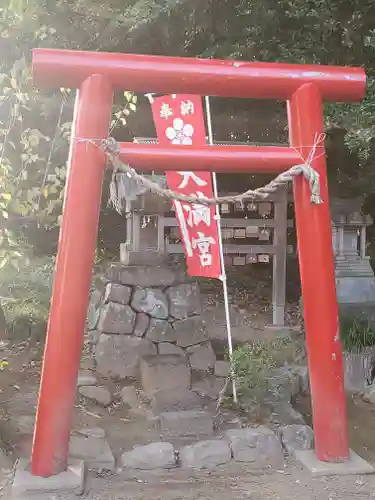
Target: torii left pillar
(73,273)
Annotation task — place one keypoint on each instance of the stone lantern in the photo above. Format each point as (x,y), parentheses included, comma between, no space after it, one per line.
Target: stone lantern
(355,281)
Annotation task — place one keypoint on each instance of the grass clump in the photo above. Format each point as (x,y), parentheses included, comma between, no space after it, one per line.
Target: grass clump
(356,334)
(251,365)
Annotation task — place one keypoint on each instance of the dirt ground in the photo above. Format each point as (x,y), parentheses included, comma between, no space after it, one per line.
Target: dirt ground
(232,482)
(18,398)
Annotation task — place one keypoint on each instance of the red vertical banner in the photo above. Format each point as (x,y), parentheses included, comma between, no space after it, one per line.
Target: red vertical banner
(179,120)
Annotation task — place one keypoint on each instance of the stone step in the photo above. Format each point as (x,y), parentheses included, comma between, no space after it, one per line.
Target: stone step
(205,454)
(176,400)
(152,456)
(259,446)
(165,372)
(187,423)
(91,446)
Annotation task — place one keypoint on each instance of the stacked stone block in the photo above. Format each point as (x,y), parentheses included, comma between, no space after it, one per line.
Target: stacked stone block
(145,322)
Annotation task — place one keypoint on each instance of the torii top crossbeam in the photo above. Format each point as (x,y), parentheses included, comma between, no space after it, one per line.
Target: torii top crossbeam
(179,75)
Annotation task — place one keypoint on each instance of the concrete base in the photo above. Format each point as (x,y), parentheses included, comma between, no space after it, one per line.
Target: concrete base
(357,369)
(353,290)
(361,311)
(355,465)
(147,257)
(27,487)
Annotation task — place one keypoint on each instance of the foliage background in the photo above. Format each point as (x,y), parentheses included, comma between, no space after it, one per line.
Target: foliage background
(35,124)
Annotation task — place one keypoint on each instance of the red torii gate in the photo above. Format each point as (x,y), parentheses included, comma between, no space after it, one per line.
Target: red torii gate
(97,75)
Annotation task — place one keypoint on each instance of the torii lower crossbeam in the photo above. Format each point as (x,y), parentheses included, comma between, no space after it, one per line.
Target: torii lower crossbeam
(236,159)
(97,75)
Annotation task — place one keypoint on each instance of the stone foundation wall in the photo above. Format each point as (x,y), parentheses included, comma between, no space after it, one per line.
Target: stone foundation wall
(140,311)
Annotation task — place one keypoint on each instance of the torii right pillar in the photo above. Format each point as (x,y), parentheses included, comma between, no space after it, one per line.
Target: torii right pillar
(321,315)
